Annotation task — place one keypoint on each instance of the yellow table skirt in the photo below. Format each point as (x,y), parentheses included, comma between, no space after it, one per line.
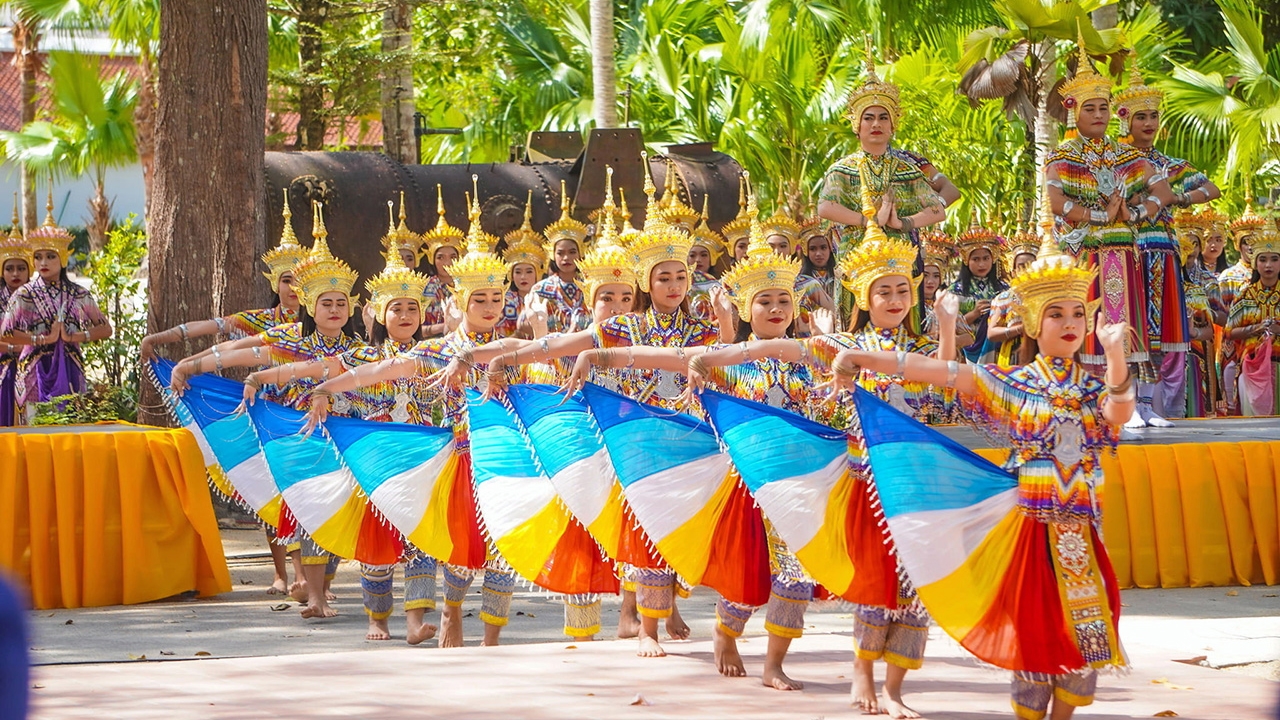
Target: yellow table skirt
(106,515)
(1191,515)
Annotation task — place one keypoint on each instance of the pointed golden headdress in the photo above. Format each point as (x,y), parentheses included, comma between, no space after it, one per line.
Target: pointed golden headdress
(14,247)
(524,244)
(781,223)
(762,269)
(49,236)
(443,234)
(1053,277)
(938,249)
(1084,86)
(608,262)
(288,253)
(1267,241)
(671,208)
(565,228)
(978,237)
(320,272)
(740,226)
(658,242)
(479,269)
(1190,227)
(394,282)
(705,237)
(627,229)
(401,238)
(877,256)
(1242,228)
(1137,97)
(874,92)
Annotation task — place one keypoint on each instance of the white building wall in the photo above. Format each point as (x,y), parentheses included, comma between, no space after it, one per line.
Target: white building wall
(71,197)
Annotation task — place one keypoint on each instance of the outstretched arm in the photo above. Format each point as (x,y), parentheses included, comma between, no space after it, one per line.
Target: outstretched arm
(283,374)
(185,331)
(913,367)
(637,356)
(215,360)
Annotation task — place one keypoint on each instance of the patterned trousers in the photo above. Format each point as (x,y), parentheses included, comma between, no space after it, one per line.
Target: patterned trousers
(419,586)
(495,593)
(784,615)
(582,615)
(1031,692)
(896,636)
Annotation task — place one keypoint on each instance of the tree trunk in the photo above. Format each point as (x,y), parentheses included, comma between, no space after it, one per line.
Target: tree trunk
(207,224)
(1106,17)
(311,110)
(99,216)
(26,41)
(1046,136)
(144,124)
(397,82)
(604,73)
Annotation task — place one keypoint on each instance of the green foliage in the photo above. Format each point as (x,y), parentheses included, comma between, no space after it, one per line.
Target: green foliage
(114,272)
(102,403)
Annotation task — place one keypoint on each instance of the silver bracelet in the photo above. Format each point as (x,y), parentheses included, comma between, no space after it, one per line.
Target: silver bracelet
(1067,207)
(217,358)
(953,371)
(1098,217)
(182,331)
(902,362)
(746,353)
(631,356)
(222,325)
(542,343)
(1054,182)
(324,373)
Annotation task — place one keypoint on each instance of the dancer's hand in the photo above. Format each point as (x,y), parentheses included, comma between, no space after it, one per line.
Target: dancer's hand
(824,321)
(579,375)
(452,316)
(888,204)
(450,377)
(946,306)
(317,414)
(535,311)
(178,379)
(1111,335)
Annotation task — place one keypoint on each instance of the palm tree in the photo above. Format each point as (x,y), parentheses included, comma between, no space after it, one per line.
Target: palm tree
(1223,111)
(92,129)
(604,74)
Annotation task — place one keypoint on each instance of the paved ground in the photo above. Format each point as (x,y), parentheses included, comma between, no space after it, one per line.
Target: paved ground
(1202,653)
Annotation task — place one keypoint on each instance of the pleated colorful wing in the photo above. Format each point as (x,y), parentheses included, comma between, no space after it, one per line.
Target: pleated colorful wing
(232,454)
(685,494)
(320,492)
(532,530)
(567,444)
(952,516)
(416,479)
(798,472)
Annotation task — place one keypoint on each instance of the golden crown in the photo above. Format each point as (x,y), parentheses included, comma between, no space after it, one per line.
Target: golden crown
(14,247)
(1241,228)
(781,223)
(1267,241)
(658,245)
(1137,97)
(320,272)
(873,93)
(1054,276)
(288,253)
(443,234)
(566,228)
(524,244)
(672,209)
(401,238)
(978,237)
(1084,86)
(876,257)
(704,236)
(477,239)
(740,226)
(625,212)
(938,249)
(810,226)
(606,231)
(395,281)
(475,271)
(49,236)
(605,265)
(1189,226)
(753,275)
(1024,242)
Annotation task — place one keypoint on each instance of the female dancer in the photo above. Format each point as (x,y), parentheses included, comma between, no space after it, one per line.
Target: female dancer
(395,295)
(1231,283)
(15,263)
(444,246)
(703,256)
(1004,327)
(526,258)
(1199,382)
(52,316)
(981,254)
(566,242)
(323,284)
(279,262)
(818,260)
(1254,322)
(1059,419)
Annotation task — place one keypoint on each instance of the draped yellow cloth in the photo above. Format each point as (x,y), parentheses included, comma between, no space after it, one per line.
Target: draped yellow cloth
(1191,515)
(107,514)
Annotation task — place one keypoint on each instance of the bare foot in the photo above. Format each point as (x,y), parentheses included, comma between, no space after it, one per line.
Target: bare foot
(728,661)
(451,621)
(863,693)
(778,680)
(378,630)
(676,627)
(329,596)
(423,631)
(318,611)
(892,704)
(649,647)
(628,620)
(277,587)
(298,591)
(491,635)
